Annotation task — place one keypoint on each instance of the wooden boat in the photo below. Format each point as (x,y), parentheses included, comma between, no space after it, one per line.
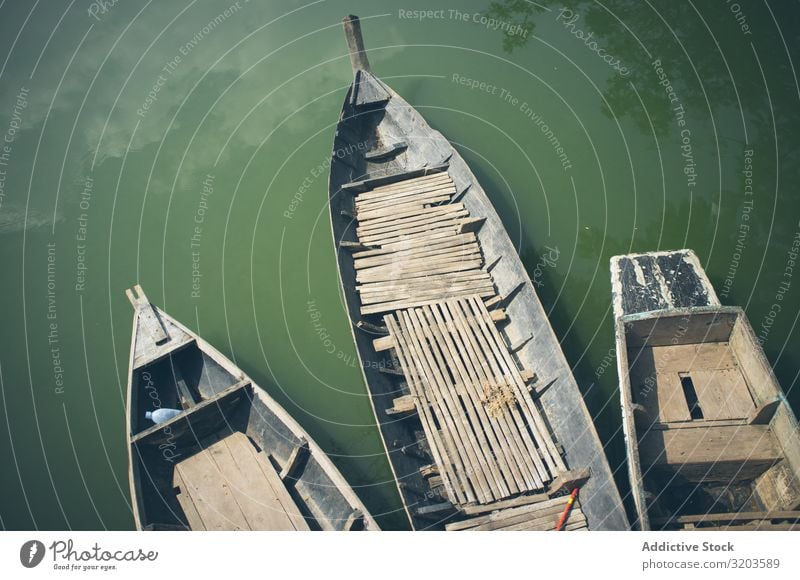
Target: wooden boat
(232,459)
(482,420)
(711,440)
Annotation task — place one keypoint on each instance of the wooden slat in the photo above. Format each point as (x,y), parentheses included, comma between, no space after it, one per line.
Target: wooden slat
(431,249)
(410,303)
(492,465)
(417,195)
(432,393)
(553,458)
(523,439)
(411,213)
(724,393)
(511,516)
(522,470)
(415,243)
(438,450)
(452,410)
(507,503)
(384,230)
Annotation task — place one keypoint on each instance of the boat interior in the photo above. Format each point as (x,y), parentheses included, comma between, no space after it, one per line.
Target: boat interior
(717,442)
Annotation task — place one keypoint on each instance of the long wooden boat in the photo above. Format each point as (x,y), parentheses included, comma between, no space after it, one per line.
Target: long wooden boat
(231,458)
(481,418)
(711,440)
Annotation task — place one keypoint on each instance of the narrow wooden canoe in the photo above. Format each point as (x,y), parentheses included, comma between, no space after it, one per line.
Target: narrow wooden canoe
(482,420)
(711,440)
(232,458)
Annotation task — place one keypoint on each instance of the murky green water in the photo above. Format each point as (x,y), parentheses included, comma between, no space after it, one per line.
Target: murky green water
(183,145)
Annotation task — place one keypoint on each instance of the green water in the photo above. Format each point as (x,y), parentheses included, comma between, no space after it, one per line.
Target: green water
(211,193)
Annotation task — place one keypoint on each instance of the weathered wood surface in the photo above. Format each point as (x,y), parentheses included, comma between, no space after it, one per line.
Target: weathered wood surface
(709,454)
(421,251)
(659,281)
(490,439)
(230,485)
(543,515)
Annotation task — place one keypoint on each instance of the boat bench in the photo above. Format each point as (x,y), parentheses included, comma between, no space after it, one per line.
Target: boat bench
(717,453)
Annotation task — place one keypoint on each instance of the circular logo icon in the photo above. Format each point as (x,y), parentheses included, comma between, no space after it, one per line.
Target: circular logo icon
(31,553)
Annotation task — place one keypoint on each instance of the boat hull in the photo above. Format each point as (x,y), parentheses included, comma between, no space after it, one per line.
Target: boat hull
(395,127)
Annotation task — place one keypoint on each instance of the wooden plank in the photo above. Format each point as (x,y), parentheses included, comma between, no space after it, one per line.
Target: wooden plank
(442,282)
(399,185)
(385,182)
(712,453)
(575,520)
(413,264)
(420,293)
(252,492)
(457,452)
(384,230)
(383,343)
(211,495)
(438,450)
(447,223)
(414,243)
(395,216)
(682,358)
(423,280)
(193,518)
(530,511)
(408,204)
(299,453)
(722,394)
(185,395)
(417,270)
(668,403)
(380,197)
(401,304)
(538,519)
(245,454)
(431,250)
(506,503)
(422,194)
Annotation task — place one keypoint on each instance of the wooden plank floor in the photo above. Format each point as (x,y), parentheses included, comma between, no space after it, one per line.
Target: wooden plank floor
(486,434)
(537,516)
(232,486)
(419,250)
